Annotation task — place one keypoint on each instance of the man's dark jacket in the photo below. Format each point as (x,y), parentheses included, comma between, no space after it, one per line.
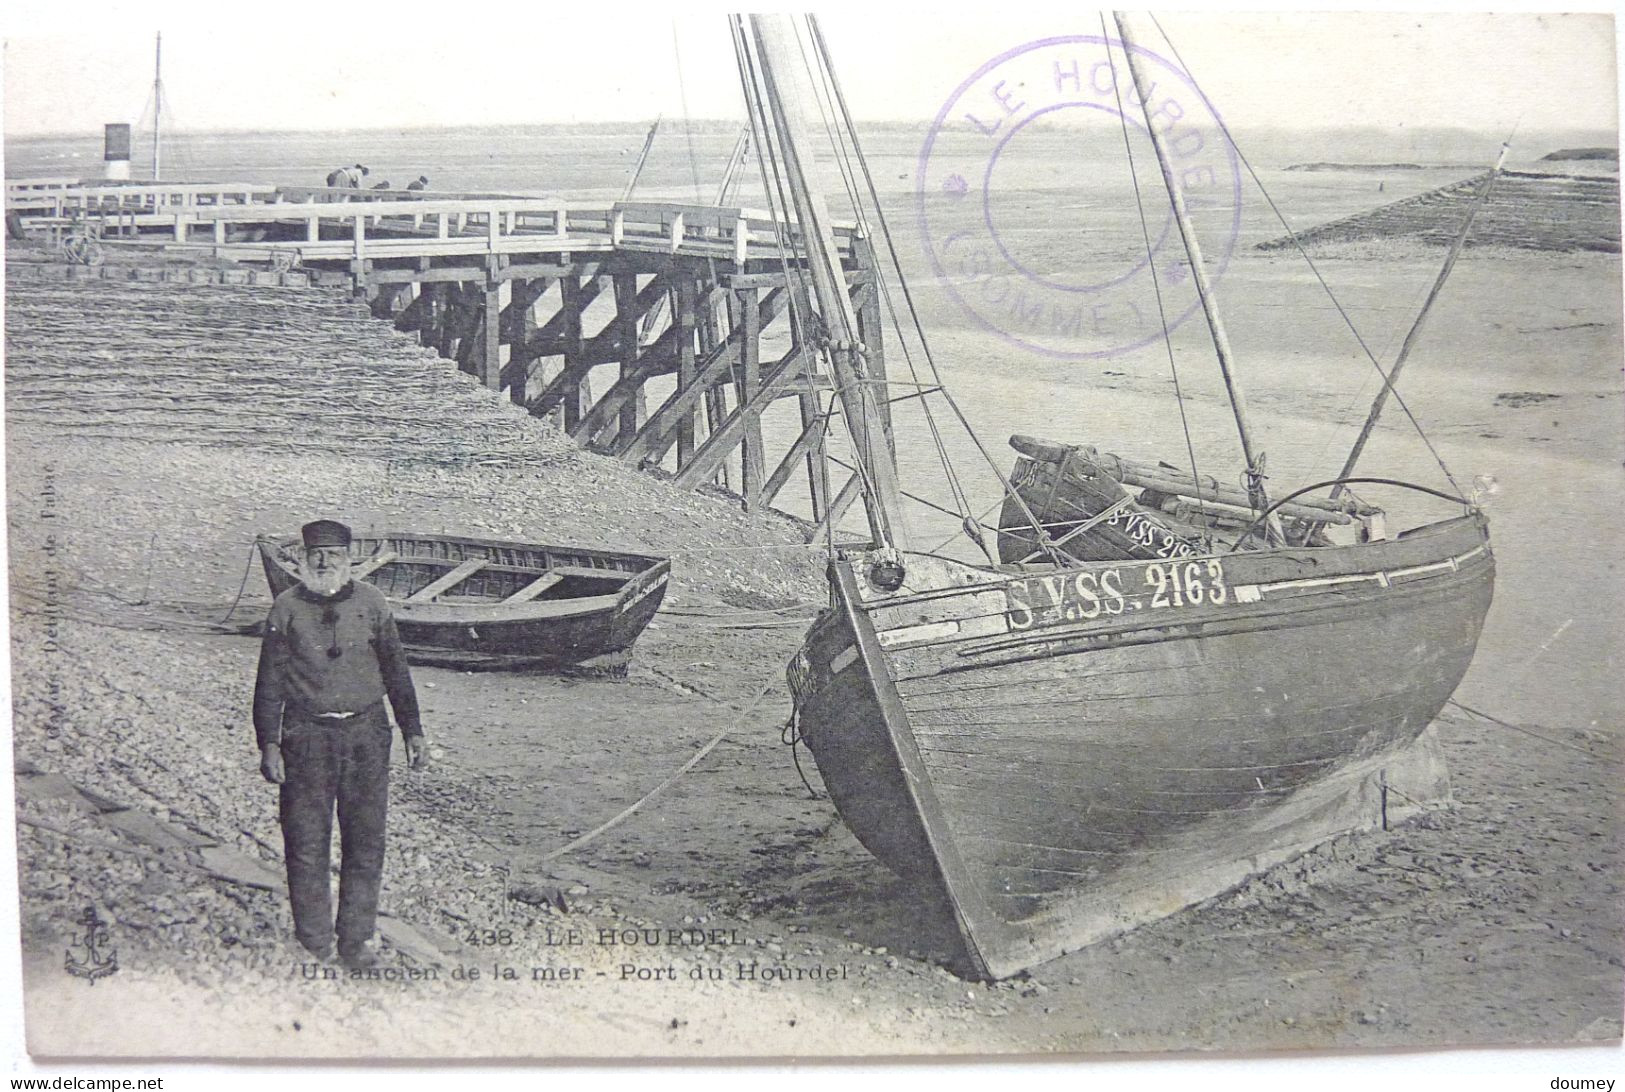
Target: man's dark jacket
(333,654)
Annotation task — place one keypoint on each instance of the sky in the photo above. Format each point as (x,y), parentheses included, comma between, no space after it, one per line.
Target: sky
(301,65)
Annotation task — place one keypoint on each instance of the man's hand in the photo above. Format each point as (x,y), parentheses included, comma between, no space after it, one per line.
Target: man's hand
(417,752)
(271,764)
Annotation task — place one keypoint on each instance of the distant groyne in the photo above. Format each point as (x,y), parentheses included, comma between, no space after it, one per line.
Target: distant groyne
(1529,210)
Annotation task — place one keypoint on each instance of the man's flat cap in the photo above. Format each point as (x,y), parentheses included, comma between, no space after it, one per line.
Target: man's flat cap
(325,532)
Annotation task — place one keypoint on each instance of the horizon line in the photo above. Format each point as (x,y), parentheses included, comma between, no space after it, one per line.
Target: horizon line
(711,123)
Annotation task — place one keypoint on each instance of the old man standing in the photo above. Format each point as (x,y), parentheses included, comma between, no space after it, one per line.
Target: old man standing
(331,655)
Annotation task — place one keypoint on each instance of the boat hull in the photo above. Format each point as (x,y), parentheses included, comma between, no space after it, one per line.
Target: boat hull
(588,622)
(1061,755)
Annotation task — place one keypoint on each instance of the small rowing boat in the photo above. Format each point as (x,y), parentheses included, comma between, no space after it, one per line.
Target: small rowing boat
(484,604)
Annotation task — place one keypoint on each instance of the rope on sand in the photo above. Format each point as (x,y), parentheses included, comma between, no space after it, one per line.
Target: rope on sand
(693,620)
(693,761)
(795,614)
(1546,739)
(247,568)
(752,613)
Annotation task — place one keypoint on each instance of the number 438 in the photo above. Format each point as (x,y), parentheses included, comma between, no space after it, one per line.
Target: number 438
(486,938)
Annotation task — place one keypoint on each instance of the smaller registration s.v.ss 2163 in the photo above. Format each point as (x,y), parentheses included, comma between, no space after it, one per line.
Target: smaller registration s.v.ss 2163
(1151,535)
(1058,598)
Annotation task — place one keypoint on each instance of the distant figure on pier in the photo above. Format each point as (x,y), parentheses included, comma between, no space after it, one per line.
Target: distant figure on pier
(421,183)
(346,178)
(384,185)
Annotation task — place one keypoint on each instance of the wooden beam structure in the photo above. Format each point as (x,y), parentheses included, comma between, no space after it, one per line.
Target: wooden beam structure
(708,345)
(749,382)
(626,338)
(531,297)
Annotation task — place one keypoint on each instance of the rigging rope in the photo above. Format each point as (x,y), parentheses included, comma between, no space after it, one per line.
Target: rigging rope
(688,124)
(773,190)
(1297,243)
(832,133)
(925,347)
(923,500)
(772,181)
(1279,502)
(811,331)
(1156,281)
(981,519)
(826,70)
(790,735)
(824,97)
(803,318)
(1110,512)
(837,147)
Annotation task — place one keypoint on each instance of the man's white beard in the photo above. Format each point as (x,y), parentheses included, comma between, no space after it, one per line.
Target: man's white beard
(327,582)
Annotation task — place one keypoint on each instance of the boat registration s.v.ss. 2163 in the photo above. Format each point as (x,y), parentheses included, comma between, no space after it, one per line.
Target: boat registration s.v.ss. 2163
(1150,535)
(1058,598)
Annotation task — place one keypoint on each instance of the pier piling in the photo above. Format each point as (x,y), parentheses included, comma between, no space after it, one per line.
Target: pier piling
(673,302)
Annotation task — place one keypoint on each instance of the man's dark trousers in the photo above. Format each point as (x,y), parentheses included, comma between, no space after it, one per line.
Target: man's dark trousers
(345,762)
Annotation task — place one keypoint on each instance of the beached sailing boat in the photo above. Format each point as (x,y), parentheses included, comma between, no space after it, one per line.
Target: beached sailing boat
(1057,750)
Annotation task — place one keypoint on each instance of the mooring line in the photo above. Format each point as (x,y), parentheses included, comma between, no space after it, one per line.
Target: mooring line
(751,612)
(248,568)
(785,623)
(693,761)
(796,614)
(1516,728)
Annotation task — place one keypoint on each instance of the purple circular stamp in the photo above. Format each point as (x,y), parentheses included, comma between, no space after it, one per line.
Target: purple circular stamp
(1071,279)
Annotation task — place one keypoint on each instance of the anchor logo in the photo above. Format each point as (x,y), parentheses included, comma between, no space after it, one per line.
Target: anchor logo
(89,957)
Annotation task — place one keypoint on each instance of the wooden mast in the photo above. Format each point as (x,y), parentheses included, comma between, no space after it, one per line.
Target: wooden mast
(780,56)
(1204,286)
(643,157)
(736,165)
(157,100)
(1391,380)
(730,181)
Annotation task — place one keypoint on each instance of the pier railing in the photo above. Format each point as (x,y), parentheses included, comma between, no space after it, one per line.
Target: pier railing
(65,197)
(23,187)
(249,222)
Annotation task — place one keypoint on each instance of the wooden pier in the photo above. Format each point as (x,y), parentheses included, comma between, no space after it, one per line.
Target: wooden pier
(638,327)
